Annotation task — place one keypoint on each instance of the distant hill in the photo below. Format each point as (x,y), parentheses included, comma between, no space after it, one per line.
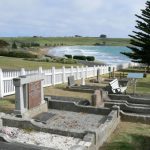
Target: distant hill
(69,41)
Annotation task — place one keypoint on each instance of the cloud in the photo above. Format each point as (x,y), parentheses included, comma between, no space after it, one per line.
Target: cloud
(64,17)
(88,5)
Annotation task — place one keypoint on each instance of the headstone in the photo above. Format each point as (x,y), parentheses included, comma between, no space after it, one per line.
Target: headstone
(98,73)
(83,81)
(29,95)
(71,81)
(97,98)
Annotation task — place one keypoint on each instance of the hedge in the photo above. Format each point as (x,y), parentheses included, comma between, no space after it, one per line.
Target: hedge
(79,57)
(68,56)
(90,58)
(18,54)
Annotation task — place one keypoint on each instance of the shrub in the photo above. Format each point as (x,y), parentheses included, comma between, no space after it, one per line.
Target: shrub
(79,57)
(68,56)
(14,45)
(3,43)
(90,58)
(35,44)
(18,54)
(97,44)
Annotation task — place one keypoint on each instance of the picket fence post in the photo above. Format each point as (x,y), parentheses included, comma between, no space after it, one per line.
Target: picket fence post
(86,71)
(53,75)
(40,70)
(72,70)
(23,72)
(94,70)
(1,84)
(63,74)
(78,73)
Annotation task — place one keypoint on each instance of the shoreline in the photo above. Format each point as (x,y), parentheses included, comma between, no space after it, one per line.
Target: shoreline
(50,52)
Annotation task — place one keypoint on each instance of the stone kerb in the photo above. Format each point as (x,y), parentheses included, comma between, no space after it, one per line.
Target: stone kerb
(29,95)
(96,98)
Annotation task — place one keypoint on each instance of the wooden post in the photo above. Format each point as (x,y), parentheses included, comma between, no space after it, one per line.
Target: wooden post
(72,70)
(40,70)
(63,74)
(1,84)
(23,72)
(78,73)
(113,72)
(53,75)
(86,71)
(134,87)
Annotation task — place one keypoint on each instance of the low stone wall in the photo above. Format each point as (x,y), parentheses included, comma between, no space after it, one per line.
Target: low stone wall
(135,117)
(37,126)
(63,98)
(1,115)
(36,110)
(128,108)
(70,106)
(129,99)
(88,143)
(106,129)
(80,89)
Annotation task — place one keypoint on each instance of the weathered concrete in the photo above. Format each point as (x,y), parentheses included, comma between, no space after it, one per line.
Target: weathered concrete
(96,98)
(129,99)
(92,125)
(132,109)
(29,95)
(132,117)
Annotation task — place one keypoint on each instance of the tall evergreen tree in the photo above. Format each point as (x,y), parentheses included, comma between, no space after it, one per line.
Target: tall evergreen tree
(14,45)
(140,41)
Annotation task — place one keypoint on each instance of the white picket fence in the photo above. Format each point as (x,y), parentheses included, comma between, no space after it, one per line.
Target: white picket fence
(51,76)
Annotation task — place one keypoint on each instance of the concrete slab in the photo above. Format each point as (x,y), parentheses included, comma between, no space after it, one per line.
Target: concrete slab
(18,146)
(73,120)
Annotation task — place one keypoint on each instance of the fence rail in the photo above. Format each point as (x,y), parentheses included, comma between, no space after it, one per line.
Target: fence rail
(51,76)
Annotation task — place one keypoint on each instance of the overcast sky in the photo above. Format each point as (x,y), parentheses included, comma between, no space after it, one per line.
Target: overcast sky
(68,17)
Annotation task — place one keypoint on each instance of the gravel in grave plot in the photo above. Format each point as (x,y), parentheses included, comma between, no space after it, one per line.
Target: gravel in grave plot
(39,138)
(73,120)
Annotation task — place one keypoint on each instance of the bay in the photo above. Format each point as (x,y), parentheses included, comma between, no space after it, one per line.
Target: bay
(107,54)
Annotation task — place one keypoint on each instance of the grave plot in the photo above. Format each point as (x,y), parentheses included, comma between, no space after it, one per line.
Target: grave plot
(74,121)
(92,125)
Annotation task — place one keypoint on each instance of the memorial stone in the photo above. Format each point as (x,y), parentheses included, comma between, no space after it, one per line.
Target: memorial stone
(98,77)
(71,81)
(29,95)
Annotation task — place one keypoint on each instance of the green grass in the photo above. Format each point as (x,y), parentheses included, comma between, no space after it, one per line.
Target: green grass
(142,85)
(129,136)
(17,63)
(71,40)
(7,104)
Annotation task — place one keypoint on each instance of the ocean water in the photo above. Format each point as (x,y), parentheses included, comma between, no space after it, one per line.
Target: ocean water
(107,54)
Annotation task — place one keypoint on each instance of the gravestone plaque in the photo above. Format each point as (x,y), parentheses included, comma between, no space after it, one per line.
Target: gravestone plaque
(34,94)
(71,81)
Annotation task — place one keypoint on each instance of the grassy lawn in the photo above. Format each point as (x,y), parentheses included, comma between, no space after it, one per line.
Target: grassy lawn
(129,136)
(17,63)
(142,85)
(7,104)
(70,41)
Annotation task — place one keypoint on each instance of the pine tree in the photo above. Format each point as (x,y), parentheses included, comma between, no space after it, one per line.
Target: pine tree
(14,45)
(140,41)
